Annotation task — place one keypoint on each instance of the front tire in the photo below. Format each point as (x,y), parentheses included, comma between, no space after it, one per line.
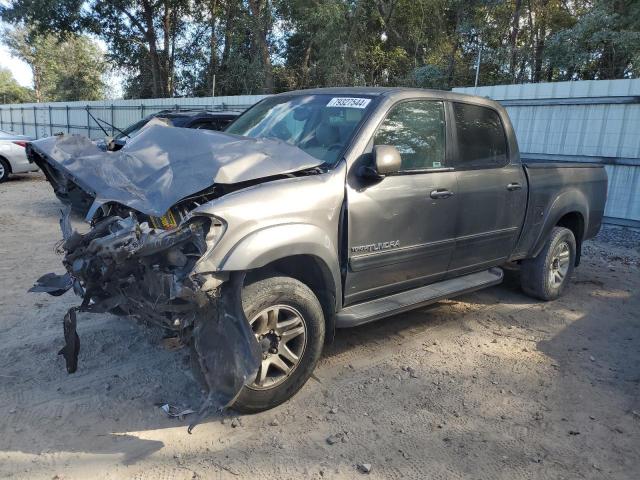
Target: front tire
(546,276)
(288,322)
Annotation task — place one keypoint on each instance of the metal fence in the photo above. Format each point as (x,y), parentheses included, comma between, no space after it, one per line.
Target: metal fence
(588,121)
(39,120)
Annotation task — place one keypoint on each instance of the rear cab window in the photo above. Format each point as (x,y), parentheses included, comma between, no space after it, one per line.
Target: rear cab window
(481,139)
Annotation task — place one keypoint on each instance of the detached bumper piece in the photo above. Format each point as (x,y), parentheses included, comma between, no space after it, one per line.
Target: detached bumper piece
(125,267)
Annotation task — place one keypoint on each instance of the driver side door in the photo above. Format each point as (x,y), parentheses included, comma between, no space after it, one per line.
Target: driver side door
(401,228)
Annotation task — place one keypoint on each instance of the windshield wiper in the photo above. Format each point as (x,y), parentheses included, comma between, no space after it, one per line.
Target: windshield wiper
(95,120)
(98,120)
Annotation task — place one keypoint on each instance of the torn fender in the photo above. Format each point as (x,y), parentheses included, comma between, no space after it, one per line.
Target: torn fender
(227,351)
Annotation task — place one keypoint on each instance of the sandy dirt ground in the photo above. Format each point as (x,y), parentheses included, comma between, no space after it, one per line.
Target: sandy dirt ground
(492,385)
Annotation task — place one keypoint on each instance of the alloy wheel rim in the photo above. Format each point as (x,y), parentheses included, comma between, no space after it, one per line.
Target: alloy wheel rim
(282,335)
(1,170)
(559,264)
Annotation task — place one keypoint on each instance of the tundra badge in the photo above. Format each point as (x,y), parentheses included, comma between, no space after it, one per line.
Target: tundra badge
(376,247)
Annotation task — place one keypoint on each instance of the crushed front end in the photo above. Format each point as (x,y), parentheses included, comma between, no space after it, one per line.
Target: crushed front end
(143,267)
(146,254)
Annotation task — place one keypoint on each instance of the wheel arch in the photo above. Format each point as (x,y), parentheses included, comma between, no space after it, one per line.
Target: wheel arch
(301,251)
(574,221)
(314,273)
(6,160)
(569,210)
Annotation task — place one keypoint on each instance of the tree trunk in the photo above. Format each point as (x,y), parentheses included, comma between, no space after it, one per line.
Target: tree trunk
(540,38)
(513,39)
(151,38)
(166,40)
(213,42)
(172,59)
(230,15)
(538,54)
(306,67)
(451,68)
(262,20)
(37,87)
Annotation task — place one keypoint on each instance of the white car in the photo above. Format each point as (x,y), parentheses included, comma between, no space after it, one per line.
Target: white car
(13,158)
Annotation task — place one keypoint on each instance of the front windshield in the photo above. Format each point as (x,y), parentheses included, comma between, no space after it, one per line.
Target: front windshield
(321,125)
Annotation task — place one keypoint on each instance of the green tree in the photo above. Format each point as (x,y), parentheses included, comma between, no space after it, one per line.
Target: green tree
(603,43)
(63,70)
(176,47)
(11,91)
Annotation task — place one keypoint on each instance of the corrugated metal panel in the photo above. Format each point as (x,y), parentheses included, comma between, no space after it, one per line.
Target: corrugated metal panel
(623,201)
(43,119)
(590,122)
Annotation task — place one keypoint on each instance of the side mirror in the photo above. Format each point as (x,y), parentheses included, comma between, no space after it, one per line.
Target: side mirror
(386,159)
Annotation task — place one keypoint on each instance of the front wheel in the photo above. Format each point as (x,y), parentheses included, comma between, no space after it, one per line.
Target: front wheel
(287,320)
(546,276)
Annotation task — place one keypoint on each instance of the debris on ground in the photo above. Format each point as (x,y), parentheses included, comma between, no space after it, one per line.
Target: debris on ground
(174,411)
(364,467)
(340,437)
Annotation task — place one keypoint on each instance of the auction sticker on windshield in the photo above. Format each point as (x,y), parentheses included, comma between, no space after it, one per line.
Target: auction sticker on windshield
(349,102)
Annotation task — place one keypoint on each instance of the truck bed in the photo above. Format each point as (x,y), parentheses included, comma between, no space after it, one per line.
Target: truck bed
(534,164)
(556,189)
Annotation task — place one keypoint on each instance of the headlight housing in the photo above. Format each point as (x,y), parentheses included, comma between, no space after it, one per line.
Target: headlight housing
(214,228)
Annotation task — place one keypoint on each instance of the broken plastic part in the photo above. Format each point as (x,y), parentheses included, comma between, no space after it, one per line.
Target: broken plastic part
(71,348)
(53,284)
(125,267)
(228,352)
(175,411)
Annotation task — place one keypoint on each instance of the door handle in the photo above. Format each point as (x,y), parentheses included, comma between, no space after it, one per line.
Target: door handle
(514,186)
(440,193)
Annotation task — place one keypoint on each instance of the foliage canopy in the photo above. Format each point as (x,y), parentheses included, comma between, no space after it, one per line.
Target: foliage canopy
(176,47)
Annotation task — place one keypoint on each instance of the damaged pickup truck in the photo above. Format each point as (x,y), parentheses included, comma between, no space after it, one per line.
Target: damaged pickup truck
(315,210)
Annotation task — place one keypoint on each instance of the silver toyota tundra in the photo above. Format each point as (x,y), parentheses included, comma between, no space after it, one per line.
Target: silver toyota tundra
(314,210)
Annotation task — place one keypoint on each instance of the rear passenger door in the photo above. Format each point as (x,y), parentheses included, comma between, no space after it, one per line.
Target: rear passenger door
(491,190)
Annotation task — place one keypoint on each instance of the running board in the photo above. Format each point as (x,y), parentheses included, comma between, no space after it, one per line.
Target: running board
(419,297)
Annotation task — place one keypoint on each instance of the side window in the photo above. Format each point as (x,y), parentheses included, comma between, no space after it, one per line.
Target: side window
(417,130)
(481,139)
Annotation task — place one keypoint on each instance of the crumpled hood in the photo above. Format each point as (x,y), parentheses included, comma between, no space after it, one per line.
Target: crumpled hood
(163,165)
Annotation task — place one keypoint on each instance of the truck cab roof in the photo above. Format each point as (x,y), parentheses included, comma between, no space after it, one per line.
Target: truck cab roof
(396,93)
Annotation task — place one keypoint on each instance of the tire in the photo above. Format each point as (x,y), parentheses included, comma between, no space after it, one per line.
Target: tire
(546,276)
(5,170)
(294,300)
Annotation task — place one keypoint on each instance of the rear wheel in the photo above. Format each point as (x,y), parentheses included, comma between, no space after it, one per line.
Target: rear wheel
(287,320)
(5,169)
(546,276)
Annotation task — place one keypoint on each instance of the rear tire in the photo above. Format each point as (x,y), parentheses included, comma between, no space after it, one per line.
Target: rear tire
(5,170)
(546,276)
(296,311)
